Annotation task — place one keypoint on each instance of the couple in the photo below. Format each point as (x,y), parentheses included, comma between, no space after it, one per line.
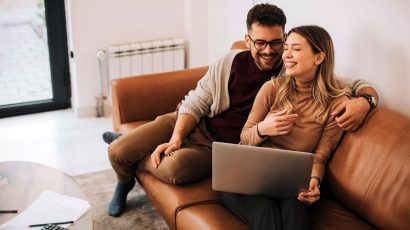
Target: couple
(297,111)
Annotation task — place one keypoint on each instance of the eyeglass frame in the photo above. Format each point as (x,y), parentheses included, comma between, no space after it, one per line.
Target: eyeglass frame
(265,43)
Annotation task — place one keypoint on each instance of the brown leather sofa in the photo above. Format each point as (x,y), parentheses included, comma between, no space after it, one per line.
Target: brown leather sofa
(367,185)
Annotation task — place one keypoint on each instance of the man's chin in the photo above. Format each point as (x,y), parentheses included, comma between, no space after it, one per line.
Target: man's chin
(266,67)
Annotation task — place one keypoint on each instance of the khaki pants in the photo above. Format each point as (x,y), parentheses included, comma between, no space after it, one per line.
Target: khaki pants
(192,162)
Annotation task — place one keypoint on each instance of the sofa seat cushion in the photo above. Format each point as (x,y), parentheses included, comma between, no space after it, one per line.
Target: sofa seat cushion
(170,199)
(330,214)
(210,216)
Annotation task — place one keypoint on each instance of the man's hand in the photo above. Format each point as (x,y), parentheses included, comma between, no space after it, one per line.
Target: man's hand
(276,124)
(312,195)
(356,111)
(167,149)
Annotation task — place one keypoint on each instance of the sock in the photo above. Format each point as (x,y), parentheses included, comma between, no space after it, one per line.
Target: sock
(109,137)
(118,201)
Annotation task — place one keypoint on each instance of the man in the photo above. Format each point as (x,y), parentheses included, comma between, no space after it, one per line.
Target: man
(176,147)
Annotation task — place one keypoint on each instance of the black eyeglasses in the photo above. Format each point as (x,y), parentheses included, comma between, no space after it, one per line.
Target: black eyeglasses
(260,44)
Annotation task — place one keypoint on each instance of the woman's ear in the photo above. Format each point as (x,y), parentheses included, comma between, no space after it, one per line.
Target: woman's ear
(247,41)
(319,58)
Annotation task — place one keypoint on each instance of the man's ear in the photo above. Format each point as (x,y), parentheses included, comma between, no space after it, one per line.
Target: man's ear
(247,41)
(319,58)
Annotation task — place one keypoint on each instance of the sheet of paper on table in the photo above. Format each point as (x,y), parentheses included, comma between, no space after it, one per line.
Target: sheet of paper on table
(49,207)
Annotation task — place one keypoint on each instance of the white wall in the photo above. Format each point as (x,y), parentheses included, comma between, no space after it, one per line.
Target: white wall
(95,24)
(196,32)
(370,37)
(227,23)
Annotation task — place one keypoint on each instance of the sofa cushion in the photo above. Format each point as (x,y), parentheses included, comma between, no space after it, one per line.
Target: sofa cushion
(210,216)
(370,172)
(170,199)
(330,214)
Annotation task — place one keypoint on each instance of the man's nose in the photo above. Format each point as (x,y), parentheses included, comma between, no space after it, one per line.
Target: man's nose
(268,49)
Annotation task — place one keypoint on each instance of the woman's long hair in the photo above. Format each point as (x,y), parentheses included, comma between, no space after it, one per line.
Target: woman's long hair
(325,86)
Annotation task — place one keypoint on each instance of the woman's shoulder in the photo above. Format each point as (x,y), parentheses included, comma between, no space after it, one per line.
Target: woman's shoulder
(337,101)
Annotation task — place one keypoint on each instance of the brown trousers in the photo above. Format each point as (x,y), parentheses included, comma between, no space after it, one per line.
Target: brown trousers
(192,162)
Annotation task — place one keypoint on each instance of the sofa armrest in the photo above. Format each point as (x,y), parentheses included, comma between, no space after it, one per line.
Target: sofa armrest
(142,98)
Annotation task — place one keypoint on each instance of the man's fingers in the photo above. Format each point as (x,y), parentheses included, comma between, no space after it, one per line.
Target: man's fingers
(351,127)
(340,120)
(339,108)
(156,155)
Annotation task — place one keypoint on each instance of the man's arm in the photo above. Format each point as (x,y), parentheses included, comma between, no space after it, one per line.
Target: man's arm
(184,125)
(355,110)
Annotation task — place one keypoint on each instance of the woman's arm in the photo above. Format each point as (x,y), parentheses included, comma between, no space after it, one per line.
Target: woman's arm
(263,101)
(262,122)
(331,136)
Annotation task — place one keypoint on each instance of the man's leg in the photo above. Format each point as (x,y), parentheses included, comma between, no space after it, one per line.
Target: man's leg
(190,163)
(125,152)
(294,215)
(257,211)
(109,136)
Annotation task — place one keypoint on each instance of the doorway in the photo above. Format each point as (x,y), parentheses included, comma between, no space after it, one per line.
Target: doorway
(34,71)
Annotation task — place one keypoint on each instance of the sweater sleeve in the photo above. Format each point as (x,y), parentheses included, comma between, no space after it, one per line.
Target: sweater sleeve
(197,103)
(211,95)
(360,87)
(261,107)
(331,136)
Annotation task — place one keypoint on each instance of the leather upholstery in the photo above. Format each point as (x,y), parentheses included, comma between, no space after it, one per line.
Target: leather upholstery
(151,94)
(368,176)
(370,170)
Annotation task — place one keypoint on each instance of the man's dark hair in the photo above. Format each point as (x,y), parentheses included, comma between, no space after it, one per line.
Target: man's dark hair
(266,15)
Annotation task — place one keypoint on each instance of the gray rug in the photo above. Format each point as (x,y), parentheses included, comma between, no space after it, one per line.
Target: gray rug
(140,213)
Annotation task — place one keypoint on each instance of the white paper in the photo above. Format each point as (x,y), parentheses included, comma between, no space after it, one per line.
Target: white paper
(49,207)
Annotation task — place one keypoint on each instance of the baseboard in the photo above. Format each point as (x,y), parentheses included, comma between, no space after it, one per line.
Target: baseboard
(91,111)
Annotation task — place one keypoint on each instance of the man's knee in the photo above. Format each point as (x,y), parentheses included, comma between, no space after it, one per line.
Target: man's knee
(175,171)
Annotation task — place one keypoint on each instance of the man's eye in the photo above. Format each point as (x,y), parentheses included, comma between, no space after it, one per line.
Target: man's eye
(259,43)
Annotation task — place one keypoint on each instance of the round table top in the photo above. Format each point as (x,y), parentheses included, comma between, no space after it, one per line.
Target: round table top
(22,182)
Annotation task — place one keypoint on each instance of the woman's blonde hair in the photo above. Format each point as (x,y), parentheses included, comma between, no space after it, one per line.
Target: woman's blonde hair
(325,86)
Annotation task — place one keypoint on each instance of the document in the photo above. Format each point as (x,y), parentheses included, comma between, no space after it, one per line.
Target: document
(49,207)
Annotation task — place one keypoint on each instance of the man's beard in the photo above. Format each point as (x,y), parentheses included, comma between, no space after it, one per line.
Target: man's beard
(275,61)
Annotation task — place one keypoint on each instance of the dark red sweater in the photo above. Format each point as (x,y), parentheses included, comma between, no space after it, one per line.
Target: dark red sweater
(244,83)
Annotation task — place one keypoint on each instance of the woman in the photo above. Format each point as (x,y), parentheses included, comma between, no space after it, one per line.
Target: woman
(294,112)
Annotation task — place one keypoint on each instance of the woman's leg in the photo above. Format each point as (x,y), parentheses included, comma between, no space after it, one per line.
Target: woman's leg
(257,211)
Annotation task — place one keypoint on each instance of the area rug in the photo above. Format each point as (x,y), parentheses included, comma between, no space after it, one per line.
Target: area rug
(140,213)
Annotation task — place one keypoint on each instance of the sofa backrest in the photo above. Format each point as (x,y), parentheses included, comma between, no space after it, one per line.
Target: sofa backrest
(142,98)
(370,170)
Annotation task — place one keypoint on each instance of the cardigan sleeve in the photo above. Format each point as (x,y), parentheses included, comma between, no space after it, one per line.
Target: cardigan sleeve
(211,95)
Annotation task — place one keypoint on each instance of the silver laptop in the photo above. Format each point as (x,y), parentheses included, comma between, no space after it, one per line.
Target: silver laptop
(260,171)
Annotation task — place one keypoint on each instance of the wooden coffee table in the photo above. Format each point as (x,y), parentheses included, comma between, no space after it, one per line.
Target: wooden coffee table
(22,182)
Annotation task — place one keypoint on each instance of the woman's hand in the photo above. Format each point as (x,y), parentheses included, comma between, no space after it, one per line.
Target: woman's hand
(275,124)
(312,195)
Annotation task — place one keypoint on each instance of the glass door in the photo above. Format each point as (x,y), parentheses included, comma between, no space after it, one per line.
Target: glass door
(34,73)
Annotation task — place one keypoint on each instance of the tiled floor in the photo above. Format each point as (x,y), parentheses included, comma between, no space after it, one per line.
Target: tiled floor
(58,139)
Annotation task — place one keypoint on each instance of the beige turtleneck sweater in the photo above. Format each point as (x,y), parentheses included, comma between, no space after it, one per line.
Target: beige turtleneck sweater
(308,134)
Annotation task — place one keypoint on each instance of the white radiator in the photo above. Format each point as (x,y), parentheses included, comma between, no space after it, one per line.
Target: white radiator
(135,59)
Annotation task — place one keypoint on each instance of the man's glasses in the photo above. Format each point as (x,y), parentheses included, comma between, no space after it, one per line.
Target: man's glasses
(260,44)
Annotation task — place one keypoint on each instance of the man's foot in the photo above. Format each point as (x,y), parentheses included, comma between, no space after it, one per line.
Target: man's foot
(109,137)
(118,201)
